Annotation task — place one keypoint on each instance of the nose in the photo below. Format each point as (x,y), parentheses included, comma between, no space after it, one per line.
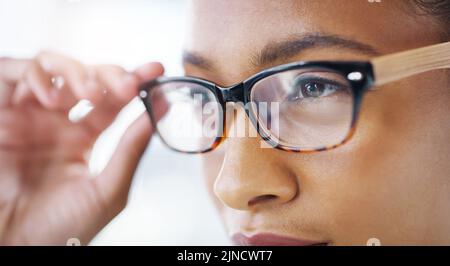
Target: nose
(252,176)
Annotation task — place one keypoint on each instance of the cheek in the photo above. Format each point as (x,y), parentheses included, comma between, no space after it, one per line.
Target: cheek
(381,182)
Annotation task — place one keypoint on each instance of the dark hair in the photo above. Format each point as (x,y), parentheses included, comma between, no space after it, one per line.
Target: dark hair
(439,9)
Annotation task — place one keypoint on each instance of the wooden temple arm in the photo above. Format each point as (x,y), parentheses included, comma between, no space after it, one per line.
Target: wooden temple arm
(399,65)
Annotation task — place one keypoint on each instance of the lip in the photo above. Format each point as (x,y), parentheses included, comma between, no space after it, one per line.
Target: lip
(269,239)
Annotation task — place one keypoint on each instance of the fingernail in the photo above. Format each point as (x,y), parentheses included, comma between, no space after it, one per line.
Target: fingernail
(80,110)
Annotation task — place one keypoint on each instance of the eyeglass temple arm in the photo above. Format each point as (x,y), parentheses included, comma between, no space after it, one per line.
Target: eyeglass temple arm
(395,66)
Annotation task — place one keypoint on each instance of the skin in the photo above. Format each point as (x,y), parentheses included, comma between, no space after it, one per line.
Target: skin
(47,194)
(390,181)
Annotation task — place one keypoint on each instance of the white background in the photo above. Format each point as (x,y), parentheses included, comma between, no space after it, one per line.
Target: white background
(168,202)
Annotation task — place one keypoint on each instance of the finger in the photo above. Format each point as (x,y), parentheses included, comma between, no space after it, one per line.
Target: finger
(22,93)
(102,115)
(149,71)
(114,181)
(122,87)
(11,70)
(40,83)
(6,93)
(66,98)
(79,79)
(119,82)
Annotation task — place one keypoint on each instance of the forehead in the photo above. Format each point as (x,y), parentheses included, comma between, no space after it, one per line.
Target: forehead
(229,33)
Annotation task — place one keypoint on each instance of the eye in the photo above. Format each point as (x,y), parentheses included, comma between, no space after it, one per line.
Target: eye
(312,88)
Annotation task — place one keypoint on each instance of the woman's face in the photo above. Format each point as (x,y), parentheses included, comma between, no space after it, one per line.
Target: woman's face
(391,181)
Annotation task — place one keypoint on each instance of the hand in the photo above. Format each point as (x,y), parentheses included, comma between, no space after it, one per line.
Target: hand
(47,194)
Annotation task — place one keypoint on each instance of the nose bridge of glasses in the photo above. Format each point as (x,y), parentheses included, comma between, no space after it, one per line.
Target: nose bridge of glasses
(234,93)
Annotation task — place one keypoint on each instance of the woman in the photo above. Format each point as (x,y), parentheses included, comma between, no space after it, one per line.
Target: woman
(389,179)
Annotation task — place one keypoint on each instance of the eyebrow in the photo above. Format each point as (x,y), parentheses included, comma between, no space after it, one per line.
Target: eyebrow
(196,59)
(291,46)
(295,45)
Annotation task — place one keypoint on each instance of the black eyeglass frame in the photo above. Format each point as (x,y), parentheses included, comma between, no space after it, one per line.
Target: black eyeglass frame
(369,74)
(240,93)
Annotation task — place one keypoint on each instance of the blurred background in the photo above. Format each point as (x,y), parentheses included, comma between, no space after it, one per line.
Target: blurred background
(168,203)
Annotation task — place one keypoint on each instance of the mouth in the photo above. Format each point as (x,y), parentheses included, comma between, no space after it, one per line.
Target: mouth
(268,239)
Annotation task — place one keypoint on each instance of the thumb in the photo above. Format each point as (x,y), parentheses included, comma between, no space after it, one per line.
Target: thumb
(113,183)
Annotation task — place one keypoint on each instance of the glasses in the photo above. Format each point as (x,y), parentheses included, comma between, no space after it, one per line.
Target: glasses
(299,107)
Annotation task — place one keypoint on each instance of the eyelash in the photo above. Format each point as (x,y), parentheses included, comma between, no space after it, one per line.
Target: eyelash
(311,79)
